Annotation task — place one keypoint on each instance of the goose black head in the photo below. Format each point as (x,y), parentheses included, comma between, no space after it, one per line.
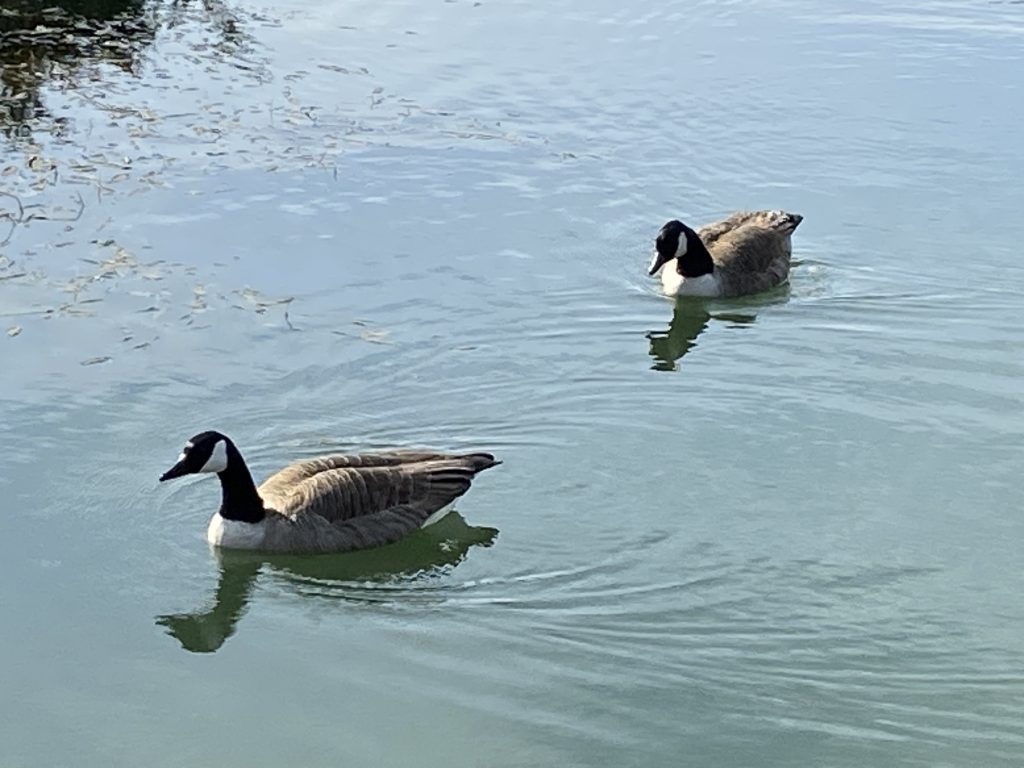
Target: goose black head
(675,240)
(206,452)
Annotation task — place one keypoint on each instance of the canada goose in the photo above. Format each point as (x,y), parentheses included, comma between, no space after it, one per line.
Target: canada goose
(744,254)
(327,504)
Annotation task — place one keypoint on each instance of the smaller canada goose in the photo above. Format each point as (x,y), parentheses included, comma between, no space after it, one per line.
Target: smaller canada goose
(744,254)
(327,504)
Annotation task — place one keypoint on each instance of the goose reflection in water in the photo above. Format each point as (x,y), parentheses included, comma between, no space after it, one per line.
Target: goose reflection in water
(689,320)
(386,574)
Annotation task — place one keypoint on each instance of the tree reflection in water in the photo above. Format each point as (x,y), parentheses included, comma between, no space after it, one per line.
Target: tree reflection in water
(64,44)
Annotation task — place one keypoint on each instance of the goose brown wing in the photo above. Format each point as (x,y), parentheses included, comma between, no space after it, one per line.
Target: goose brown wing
(755,256)
(709,233)
(780,223)
(343,488)
(751,260)
(283,482)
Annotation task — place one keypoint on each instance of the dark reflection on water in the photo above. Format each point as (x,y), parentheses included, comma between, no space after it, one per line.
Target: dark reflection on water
(690,319)
(385,574)
(40,42)
(46,42)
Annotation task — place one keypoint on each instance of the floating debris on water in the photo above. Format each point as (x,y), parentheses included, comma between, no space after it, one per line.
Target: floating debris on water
(97,360)
(85,120)
(375,337)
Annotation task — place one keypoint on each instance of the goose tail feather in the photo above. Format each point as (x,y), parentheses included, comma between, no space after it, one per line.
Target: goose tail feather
(785,221)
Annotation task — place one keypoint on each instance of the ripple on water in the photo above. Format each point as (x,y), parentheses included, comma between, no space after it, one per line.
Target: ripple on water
(796,533)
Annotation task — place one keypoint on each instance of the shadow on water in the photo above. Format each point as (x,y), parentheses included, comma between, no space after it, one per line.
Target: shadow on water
(385,574)
(59,43)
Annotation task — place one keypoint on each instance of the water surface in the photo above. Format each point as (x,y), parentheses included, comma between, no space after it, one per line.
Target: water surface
(777,531)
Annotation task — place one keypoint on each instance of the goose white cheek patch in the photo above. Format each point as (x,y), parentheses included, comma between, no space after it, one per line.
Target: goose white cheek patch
(218,460)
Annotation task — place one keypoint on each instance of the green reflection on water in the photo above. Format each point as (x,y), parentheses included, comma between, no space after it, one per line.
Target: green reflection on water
(367,576)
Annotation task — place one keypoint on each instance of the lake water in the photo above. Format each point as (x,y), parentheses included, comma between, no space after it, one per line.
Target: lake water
(783,531)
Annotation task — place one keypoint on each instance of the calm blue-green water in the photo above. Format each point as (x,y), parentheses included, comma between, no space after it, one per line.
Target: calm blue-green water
(785,531)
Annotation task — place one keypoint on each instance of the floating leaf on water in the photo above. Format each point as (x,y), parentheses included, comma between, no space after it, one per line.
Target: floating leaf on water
(14,330)
(274,302)
(375,337)
(40,164)
(97,360)
(73,311)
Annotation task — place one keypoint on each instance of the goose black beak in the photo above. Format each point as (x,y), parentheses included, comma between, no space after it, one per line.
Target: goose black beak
(176,471)
(657,263)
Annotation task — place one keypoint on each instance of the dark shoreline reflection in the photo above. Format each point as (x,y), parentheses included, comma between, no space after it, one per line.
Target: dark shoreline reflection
(385,574)
(690,318)
(43,43)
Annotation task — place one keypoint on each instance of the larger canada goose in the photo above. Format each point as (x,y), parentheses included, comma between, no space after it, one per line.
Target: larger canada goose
(744,254)
(327,504)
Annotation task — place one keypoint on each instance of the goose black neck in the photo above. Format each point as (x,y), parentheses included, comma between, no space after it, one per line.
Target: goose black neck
(239,498)
(696,261)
